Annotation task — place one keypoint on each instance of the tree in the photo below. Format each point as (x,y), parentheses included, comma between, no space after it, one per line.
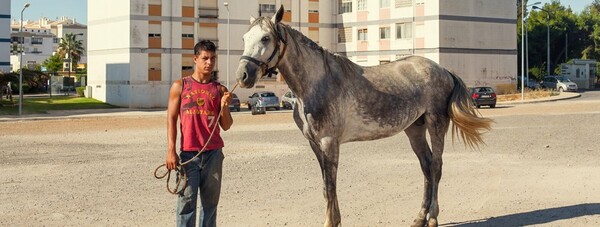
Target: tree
(53,63)
(70,43)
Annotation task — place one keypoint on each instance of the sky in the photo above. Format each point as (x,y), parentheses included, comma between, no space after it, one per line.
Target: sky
(78,8)
(50,9)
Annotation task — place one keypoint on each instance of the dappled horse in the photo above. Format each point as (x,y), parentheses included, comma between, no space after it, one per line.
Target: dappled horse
(340,102)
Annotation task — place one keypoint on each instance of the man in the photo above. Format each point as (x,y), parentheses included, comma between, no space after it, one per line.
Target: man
(196,100)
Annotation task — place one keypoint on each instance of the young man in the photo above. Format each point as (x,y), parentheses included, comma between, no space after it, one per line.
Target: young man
(196,100)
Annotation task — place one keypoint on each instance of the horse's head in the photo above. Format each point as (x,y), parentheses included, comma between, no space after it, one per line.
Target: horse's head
(262,49)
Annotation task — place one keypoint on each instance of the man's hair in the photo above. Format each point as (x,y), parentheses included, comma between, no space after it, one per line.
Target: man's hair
(204,45)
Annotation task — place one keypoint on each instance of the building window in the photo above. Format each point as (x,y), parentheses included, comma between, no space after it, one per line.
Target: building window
(403,30)
(55,40)
(344,35)
(362,34)
(403,3)
(16,39)
(187,67)
(345,6)
(362,5)
(384,33)
(187,36)
(384,3)
(37,40)
(154,35)
(266,10)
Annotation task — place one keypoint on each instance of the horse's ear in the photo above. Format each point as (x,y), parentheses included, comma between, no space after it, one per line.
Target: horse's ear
(278,15)
(252,19)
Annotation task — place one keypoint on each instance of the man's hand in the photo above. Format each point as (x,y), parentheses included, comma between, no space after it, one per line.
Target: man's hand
(226,99)
(172,160)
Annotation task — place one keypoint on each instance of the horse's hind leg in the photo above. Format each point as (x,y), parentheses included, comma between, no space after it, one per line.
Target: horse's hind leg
(437,125)
(327,152)
(418,142)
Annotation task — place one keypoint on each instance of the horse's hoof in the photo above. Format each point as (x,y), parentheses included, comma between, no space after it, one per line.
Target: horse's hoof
(418,223)
(432,223)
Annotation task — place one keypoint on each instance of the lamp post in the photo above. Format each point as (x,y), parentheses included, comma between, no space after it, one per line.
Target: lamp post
(21,62)
(226,4)
(548,38)
(523,6)
(527,44)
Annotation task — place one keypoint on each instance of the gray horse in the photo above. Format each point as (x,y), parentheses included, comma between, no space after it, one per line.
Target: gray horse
(340,102)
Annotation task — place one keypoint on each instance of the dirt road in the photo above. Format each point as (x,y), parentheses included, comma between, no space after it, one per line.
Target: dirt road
(540,167)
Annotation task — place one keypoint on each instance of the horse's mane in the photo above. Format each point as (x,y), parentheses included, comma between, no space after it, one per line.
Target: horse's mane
(297,38)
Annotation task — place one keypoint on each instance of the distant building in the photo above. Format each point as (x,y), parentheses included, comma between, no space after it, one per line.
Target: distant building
(4,36)
(151,44)
(39,40)
(580,71)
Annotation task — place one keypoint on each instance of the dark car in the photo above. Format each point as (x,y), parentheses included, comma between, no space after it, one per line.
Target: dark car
(483,96)
(235,103)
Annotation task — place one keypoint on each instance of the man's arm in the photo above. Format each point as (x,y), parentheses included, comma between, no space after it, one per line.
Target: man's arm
(172,115)
(226,120)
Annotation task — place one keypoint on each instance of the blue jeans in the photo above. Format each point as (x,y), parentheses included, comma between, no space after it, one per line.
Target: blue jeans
(204,176)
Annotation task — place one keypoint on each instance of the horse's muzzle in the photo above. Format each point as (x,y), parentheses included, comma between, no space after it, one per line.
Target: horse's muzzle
(246,74)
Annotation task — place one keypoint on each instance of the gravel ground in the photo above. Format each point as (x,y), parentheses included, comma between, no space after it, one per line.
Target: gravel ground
(539,167)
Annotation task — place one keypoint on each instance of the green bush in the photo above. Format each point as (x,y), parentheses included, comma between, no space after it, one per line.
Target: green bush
(80,91)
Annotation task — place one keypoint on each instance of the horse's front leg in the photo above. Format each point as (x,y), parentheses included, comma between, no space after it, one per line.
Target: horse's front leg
(327,152)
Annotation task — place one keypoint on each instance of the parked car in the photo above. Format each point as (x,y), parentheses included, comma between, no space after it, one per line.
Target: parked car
(260,101)
(483,96)
(288,100)
(235,103)
(531,83)
(559,83)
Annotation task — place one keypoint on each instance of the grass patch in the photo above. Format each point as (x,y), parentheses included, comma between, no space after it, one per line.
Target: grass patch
(43,105)
(529,94)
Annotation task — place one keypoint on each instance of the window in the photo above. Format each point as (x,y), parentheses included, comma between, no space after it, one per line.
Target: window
(362,34)
(384,33)
(36,40)
(55,40)
(154,35)
(16,39)
(187,36)
(403,30)
(187,67)
(266,10)
(345,6)
(344,34)
(384,3)
(403,3)
(362,5)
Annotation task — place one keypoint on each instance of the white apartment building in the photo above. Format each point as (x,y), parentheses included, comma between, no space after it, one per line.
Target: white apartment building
(151,41)
(39,40)
(4,36)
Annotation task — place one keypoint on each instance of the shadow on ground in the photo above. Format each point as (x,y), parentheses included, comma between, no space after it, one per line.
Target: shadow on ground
(534,217)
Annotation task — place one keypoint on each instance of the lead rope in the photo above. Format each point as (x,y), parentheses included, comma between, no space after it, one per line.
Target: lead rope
(180,172)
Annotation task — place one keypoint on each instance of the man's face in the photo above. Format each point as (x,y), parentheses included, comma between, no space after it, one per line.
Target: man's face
(205,61)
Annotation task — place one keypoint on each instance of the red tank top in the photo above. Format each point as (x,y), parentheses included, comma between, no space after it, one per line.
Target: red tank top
(199,107)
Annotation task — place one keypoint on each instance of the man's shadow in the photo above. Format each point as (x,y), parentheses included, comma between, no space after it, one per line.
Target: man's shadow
(534,217)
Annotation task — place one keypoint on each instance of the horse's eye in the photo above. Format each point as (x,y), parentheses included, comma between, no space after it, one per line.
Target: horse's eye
(265,39)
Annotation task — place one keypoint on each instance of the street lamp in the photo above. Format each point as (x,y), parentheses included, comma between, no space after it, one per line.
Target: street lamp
(226,4)
(523,6)
(548,38)
(527,44)
(21,62)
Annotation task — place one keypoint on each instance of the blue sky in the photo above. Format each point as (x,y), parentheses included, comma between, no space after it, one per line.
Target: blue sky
(51,9)
(78,8)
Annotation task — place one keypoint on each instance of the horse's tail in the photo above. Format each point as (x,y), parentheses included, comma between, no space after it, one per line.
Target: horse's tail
(467,122)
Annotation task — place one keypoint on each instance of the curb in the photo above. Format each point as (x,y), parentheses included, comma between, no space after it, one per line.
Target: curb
(562,96)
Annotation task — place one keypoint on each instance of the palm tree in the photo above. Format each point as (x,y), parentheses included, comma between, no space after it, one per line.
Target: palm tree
(69,43)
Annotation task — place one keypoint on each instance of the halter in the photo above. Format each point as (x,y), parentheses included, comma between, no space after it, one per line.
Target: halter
(265,65)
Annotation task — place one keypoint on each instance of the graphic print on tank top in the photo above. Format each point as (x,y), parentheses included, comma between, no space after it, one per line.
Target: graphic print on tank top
(200,104)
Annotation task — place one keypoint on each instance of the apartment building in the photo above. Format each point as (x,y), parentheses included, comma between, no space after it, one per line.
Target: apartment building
(4,36)
(138,49)
(39,40)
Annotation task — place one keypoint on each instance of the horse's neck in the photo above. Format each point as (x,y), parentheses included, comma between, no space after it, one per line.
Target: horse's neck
(305,66)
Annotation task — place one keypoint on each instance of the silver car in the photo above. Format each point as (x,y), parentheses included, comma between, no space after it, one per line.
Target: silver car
(559,83)
(288,100)
(263,100)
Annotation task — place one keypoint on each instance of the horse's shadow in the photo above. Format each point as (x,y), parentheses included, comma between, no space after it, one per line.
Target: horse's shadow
(534,217)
